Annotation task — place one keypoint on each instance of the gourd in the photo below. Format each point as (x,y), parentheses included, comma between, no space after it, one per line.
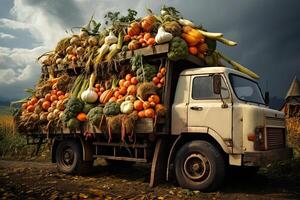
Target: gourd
(185,22)
(101,52)
(134,44)
(111,38)
(162,36)
(89,95)
(134,29)
(147,23)
(126,107)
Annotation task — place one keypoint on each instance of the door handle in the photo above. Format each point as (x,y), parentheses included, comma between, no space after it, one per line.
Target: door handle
(197,108)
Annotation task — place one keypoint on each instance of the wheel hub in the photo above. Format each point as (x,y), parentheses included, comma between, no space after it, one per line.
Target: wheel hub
(196,167)
(68,156)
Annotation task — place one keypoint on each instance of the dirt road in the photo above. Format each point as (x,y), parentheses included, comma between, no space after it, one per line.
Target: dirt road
(37,180)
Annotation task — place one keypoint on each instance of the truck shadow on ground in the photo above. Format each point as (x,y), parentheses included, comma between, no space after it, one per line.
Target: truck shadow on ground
(256,183)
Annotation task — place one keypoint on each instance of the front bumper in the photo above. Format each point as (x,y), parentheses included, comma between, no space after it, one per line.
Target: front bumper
(263,158)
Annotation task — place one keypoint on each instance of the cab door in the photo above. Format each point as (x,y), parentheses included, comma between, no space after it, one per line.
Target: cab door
(206,109)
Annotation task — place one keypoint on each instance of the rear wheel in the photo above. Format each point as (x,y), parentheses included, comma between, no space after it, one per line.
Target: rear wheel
(69,158)
(199,166)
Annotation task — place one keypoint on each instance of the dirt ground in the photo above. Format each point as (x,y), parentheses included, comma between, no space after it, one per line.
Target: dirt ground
(40,180)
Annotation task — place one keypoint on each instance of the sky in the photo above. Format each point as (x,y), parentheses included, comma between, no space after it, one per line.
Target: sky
(267,33)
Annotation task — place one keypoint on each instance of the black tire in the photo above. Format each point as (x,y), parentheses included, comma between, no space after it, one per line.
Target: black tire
(69,158)
(199,166)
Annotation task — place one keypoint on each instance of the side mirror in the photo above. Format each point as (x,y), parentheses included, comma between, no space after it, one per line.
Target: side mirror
(217,83)
(267,98)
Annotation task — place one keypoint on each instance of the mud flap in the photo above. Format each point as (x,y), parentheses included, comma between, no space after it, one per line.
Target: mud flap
(159,162)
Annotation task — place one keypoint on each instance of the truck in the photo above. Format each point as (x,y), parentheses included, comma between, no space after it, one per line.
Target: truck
(216,117)
(196,117)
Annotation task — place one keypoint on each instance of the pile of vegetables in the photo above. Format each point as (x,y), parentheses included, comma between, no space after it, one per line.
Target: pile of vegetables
(83,82)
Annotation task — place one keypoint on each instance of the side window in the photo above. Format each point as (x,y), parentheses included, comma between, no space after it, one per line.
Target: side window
(203,88)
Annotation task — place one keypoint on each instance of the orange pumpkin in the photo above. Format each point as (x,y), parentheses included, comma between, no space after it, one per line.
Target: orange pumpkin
(147,36)
(123,90)
(163,70)
(121,82)
(154,98)
(127,38)
(149,113)
(151,41)
(141,114)
(131,90)
(46,105)
(81,117)
(127,84)
(138,105)
(113,99)
(147,23)
(134,29)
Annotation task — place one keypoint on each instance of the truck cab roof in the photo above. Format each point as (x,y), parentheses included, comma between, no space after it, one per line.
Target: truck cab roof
(213,70)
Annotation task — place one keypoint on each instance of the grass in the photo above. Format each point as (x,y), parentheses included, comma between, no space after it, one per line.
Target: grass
(13,145)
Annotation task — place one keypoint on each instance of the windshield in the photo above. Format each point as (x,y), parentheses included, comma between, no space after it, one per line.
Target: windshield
(246,89)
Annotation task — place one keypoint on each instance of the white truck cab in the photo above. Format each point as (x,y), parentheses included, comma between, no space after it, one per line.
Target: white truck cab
(225,108)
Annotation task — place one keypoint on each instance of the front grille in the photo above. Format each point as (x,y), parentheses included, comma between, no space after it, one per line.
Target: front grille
(275,138)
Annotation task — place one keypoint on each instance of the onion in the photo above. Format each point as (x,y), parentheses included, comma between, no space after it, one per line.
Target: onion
(51,109)
(69,50)
(93,41)
(56,112)
(50,116)
(83,34)
(74,40)
(80,51)
(61,113)
(58,61)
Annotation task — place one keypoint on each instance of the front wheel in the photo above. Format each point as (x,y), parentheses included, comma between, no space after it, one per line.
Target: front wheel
(199,166)
(69,158)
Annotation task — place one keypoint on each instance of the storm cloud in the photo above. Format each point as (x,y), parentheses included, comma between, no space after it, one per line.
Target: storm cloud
(266,32)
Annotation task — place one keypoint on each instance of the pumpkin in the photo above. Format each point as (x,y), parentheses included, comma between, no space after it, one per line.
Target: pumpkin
(131,90)
(46,105)
(138,105)
(121,82)
(123,90)
(134,29)
(141,114)
(106,95)
(126,107)
(148,22)
(154,98)
(81,117)
(134,44)
(149,113)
